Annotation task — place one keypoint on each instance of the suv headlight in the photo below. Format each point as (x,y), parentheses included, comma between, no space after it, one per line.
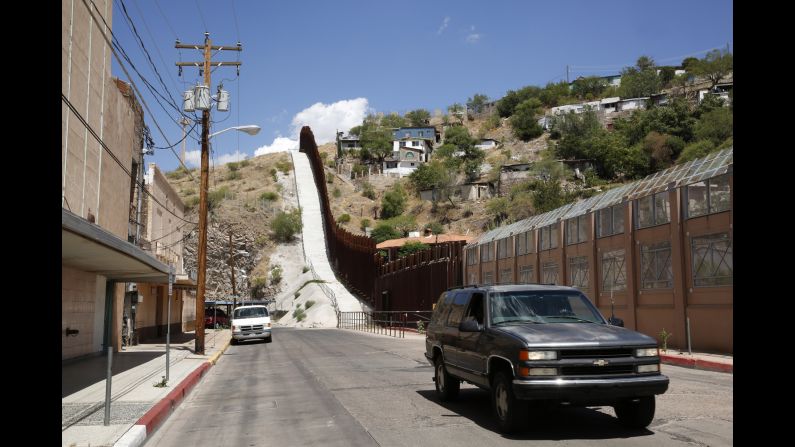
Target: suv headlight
(538,355)
(647,352)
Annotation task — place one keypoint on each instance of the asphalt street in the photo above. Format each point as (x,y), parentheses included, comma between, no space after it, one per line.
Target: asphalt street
(346,388)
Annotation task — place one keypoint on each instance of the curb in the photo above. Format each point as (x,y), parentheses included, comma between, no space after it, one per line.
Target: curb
(147,424)
(697,364)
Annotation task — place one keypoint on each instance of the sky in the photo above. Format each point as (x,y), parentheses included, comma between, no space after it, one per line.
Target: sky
(327,64)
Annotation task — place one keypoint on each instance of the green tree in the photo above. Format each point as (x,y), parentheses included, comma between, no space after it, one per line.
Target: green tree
(412,247)
(508,103)
(715,126)
(667,74)
(525,120)
(497,208)
(435,227)
(384,232)
(471,157)
(696,150)
(419,117)
(430,175)
(548,195)
(588,87)
(476,103)
(554,94)
(575,129)
(377,142)
(715,66)
(394,202)
(640,80)
(393,121)
(403,224)
(662,149)
(689,64)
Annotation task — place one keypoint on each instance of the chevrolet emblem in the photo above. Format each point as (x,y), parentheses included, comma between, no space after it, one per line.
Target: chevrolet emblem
(600,362)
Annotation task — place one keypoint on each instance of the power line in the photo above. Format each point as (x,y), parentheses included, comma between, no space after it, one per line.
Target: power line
(234,14)
(113,156)
(133,84)
(198,8)
(157,47)
(168,24)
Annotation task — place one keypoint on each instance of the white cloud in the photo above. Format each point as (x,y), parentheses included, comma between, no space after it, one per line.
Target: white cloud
(193,158)
(445,22)
(226,158)
(280,144)
(325,120)
(473,37)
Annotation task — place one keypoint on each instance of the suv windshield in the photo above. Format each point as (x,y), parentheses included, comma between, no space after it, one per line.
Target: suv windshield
(542,307)
(250,312)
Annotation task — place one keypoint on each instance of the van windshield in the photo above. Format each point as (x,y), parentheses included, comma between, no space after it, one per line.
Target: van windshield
(250,312)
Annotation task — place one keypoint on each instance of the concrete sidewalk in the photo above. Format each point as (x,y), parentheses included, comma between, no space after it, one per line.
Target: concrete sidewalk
(697,360)
(137,405)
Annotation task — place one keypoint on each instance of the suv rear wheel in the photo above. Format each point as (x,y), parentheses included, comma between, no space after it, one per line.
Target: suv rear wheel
(510,411)
(636,413)
(447,386)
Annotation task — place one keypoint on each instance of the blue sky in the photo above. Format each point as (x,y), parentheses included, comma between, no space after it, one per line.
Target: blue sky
(326,64)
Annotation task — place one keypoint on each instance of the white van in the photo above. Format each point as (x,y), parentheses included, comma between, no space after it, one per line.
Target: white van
(251,322)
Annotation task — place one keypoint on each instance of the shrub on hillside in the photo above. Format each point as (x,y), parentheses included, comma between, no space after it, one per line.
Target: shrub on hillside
(345,218)
(286,224)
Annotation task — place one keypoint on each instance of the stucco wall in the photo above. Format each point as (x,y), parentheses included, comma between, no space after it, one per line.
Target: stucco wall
(82,299)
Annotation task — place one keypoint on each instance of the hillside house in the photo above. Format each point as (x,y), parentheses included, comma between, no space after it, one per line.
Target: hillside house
(487,143)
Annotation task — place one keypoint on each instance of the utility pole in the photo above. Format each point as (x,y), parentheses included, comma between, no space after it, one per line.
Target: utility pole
(204,183)
(232,265)
(567,74)
(184,121)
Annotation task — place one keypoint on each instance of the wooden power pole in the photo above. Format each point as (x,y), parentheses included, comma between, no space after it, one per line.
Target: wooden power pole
(232,265)
(204,184)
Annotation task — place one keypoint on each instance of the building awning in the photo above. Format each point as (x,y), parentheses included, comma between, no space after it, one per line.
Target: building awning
(89,247)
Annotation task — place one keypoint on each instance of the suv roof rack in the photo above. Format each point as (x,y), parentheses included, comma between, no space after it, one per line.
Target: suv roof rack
(474,286)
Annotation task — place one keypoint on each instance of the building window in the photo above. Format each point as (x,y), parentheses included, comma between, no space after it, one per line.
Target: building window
(506,276)
(503,248)
(653,210)
(614,276)
(472,258)
(402,144)
(577,230)
(709,196)
(549,237)
(655,266)
(578,272)
(610,221)
(526,274)
(524,243)
(712,260)
(472,278)
(549,273)
(488,278)
(487,252)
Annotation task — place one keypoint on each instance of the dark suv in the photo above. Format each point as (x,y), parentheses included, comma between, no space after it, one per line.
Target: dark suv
(541,344)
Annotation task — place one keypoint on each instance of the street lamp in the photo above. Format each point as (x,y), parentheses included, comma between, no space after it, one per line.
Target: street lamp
(251,129)
(202,246)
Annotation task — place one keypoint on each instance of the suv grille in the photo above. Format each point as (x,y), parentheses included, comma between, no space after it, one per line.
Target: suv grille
(597,370)
(596,353)
(256,327)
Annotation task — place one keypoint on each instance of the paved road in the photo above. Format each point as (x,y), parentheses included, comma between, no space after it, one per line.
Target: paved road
(340,388)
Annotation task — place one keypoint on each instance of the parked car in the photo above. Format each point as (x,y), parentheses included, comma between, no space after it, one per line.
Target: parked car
(251,322)
(535,344)
(215,318)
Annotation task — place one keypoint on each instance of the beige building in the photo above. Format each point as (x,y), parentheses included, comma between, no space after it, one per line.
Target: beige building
(164,225)
(101,128)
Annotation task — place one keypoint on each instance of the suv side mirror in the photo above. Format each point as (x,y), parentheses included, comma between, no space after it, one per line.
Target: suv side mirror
(469,326)
(616,321)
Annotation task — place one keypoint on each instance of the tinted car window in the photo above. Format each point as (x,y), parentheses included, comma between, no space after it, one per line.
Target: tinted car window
(457,309)
(442,308)
(250,312)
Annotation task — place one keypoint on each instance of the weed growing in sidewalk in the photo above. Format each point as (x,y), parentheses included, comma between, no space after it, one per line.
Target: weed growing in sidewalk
(162,383)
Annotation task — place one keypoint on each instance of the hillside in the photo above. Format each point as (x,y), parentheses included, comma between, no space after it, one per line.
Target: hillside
(458,217)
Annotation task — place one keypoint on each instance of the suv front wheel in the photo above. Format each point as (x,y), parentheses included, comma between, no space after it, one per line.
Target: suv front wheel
(636,413)
(447,386)
(510,411)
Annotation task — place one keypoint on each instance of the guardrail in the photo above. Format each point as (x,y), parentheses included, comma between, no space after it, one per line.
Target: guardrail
(394,323)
